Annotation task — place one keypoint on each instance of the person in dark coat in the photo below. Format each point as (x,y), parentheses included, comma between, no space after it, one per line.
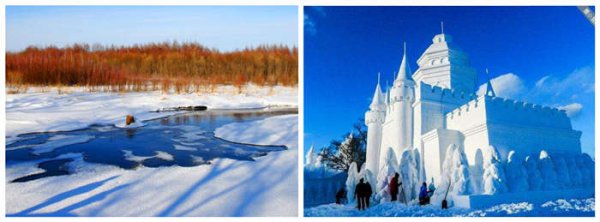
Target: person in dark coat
(393,186)
(340,196)
(359,194)
(368,193)
(423,194)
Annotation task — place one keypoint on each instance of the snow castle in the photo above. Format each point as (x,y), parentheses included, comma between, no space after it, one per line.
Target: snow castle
(436,110)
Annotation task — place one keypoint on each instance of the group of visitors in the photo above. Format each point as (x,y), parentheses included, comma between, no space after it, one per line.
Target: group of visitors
(363,192)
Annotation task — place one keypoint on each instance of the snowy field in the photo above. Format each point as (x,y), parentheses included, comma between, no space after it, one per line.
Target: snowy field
(265,187)
(560,207)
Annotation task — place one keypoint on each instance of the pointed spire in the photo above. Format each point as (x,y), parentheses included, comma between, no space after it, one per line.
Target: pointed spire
(442,27)
(378,100)
(403,72)
(489,91)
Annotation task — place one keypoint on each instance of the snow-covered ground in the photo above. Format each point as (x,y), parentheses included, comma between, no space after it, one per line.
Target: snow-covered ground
(265,187)
(43,111)
(560,207)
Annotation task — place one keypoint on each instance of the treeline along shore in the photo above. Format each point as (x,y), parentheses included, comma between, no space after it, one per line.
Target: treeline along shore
(154,66)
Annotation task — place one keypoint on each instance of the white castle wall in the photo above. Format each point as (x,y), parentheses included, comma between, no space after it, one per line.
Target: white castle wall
(430,107)
(433,149)
(512,125)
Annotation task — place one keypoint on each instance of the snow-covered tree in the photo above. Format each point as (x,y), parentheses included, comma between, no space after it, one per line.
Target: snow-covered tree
(516,173)
(546,167)
(534,177)
(494,180)
(562,172)
(339,155)
(574,173)
(388,168)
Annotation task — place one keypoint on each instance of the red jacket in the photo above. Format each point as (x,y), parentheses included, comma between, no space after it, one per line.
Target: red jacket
(393,185)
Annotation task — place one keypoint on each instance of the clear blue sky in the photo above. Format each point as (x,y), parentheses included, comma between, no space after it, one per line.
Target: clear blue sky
(222,27)
(543,55)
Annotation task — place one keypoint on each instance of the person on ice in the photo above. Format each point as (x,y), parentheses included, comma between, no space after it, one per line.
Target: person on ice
(393,186)
(340,196)
(359,194)
(423,197)
(368,193)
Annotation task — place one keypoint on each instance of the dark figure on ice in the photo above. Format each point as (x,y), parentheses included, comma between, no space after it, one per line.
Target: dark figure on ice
(423,196)
(340,196)
(359,193)
(393,186)
(368,193)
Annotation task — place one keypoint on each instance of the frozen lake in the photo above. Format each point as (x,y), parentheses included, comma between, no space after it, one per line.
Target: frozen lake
(183,140)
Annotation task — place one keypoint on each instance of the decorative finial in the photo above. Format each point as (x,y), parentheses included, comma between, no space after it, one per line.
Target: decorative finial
(489,90)
(405,48)
(442,27)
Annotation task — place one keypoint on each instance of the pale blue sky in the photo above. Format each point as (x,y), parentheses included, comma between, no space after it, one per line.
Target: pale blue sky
(223,27)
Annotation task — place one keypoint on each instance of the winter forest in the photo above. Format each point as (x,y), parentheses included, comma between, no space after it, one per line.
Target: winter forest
(153,66)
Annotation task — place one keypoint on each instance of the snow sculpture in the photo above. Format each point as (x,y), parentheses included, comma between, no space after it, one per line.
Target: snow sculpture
(534,177)
(574,173)
(311,158)
(560,167)
(516,173)
(461,177)
(438,105)
(547,170)
(388,169)
(586,165)
(494,181)
(351,182)
(409,175)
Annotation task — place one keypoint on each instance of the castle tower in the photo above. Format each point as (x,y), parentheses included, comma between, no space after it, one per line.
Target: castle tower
(374,119)
(399,121)
(445,80)
(444,65)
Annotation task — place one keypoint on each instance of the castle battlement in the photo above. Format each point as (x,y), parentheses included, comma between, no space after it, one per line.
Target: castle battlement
(503,110)
(499,102)
(438,93)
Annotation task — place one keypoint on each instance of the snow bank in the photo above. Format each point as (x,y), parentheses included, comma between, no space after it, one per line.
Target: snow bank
(560,207)
(265,187)
(51,111)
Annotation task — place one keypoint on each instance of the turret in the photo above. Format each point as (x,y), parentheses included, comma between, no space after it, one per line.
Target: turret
(401,112)
(374,119)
